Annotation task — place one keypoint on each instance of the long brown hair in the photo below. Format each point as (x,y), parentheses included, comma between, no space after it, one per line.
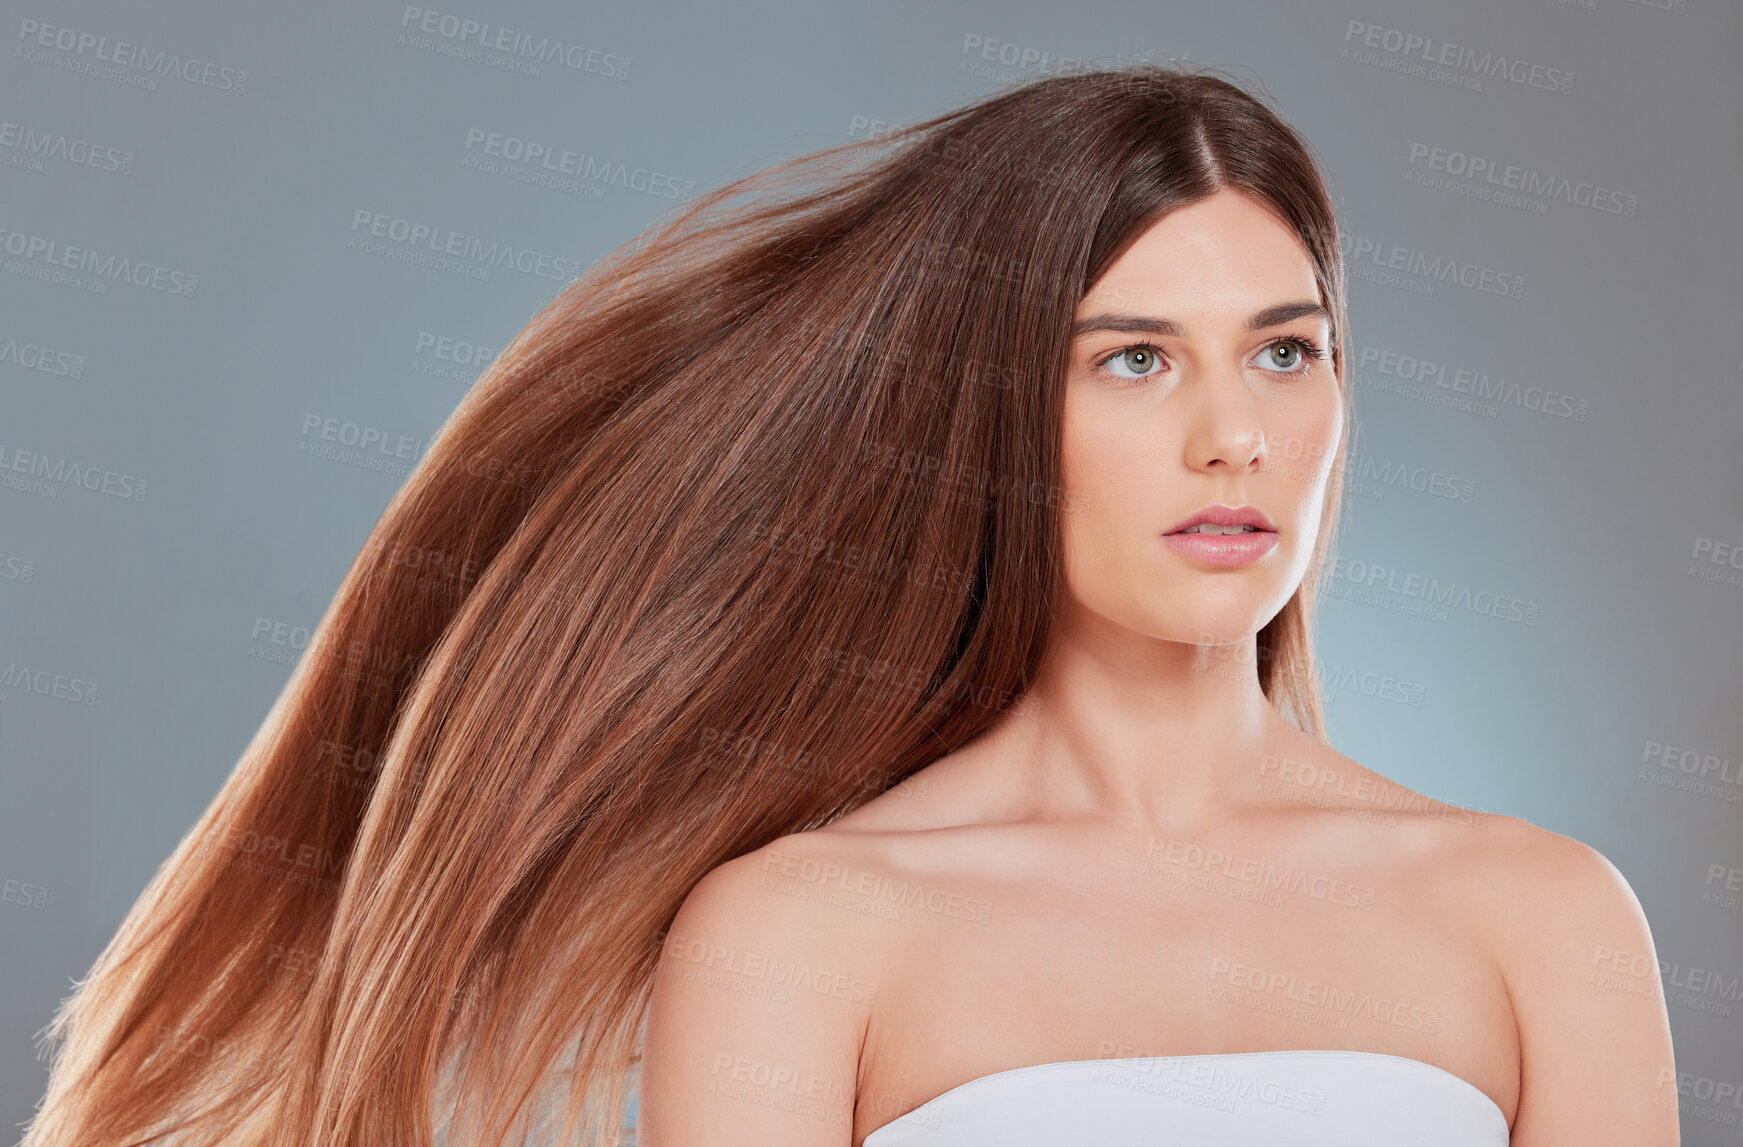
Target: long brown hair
(781,473)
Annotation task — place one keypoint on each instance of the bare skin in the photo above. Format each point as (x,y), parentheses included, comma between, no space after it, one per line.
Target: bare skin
(1143,858)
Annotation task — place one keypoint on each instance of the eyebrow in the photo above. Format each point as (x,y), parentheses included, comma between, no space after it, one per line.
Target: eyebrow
(1117,321)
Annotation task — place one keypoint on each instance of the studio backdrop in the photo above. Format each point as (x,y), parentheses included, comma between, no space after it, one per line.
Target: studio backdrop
(254,254)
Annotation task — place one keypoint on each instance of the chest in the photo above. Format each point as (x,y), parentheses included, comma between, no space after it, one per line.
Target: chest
(1183,955)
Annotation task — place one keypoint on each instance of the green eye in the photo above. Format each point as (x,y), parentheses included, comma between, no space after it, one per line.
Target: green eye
(1141,360)
(1300,354)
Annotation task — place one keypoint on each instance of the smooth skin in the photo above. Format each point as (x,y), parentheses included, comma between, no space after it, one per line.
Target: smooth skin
(1092,876)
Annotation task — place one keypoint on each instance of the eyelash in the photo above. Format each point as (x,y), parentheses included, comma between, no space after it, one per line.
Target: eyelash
(1311,352)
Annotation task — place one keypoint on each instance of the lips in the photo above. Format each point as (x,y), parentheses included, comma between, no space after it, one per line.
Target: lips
(1220,549)
(1222,515)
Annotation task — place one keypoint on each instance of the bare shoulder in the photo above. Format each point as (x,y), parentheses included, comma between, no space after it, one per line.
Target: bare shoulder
(1528,878)
(762,997)
(776,900)
(1529,892)
(1576,954)
(1555,911)
(1530,895)
(1563,930)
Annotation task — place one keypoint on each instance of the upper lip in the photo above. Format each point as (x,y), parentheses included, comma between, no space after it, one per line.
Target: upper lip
(1221,515)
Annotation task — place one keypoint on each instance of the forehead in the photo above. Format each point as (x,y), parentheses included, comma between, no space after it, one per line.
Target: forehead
(1225,250)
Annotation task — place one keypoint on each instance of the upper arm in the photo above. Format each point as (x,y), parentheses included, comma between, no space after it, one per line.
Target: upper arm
(757,1015)
(1594,1038)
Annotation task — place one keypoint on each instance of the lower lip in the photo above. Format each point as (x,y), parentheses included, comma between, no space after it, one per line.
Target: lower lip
(1223,549)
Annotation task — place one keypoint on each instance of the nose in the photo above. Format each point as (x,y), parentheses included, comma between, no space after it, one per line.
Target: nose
(1225,430)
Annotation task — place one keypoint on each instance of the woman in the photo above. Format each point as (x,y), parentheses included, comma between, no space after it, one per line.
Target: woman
(806,639)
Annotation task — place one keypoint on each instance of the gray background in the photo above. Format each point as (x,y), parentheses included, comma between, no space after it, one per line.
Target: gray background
(171,511)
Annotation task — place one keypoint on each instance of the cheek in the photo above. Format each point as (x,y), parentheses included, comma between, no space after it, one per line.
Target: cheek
(1111,455)
(1109,467)
(1098,547)
(1304,438)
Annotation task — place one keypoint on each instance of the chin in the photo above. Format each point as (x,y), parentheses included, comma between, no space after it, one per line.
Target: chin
(1212,635)
(1214,619)
(1203,627)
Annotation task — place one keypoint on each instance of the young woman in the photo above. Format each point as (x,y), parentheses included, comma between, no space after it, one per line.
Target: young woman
(845,672)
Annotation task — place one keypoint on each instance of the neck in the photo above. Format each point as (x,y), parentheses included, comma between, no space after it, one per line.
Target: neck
(1138,732)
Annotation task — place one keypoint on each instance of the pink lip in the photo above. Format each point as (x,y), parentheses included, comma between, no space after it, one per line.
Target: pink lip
(1224,549)
(1218,514)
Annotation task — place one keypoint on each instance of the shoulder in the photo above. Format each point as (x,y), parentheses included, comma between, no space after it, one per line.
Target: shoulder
(1527,877)
(1574,949)
(1536,895)
(778,897)
(763,991)
(1530,895)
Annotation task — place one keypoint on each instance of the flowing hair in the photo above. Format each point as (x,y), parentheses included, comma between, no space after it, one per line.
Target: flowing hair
(781,473)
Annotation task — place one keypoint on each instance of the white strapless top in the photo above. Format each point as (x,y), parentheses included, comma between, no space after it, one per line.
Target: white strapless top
(1275,1098)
